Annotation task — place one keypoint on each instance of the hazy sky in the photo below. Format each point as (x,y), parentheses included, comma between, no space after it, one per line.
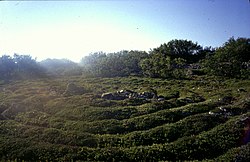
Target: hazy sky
(73,29)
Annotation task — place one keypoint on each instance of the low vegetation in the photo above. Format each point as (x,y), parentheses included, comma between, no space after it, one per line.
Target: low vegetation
(38,122)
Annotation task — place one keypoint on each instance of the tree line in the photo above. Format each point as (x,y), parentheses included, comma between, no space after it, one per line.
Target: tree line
(174,59)
(19,67)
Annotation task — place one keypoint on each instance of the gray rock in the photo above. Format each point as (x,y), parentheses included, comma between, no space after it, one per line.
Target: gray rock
(241,90)
(161,99)
(108,96)
(125,93)
(113,96)
(128,94)
(147,95)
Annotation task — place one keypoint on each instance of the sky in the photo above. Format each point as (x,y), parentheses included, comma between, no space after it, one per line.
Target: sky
(74,29)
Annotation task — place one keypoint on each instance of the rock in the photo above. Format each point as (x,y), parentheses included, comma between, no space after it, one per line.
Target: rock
(108,96)
(128,94)
(113,96)
(245,119)
(222,109)
(147,95)
(125,93)
(161,99)
(211,113)
(188,100)
(53,93)
(241,90)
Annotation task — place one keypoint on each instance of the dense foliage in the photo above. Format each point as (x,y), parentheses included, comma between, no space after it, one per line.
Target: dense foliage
(231,60)
(19,67)
(170,60)
(122,63)
(187,50)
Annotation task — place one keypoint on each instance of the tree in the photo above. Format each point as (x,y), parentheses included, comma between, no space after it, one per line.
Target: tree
(157,65)
(7,67)
(19,67)
(92,63)
(121,63)
(27,67)
(163,66)
(185,49)
(169,60)
(132,60)
(230,60)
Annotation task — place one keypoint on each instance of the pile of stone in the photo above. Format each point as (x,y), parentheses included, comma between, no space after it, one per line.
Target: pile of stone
(222,111)
(128,94)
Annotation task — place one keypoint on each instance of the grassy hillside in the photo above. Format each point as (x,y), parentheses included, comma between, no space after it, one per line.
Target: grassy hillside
(203,118)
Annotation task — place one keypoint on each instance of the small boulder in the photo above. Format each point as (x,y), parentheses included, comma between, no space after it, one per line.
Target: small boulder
(125,93)
(113,96)
(161,99)
(148,95)
(241,90)
(211,113)
(108,96)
